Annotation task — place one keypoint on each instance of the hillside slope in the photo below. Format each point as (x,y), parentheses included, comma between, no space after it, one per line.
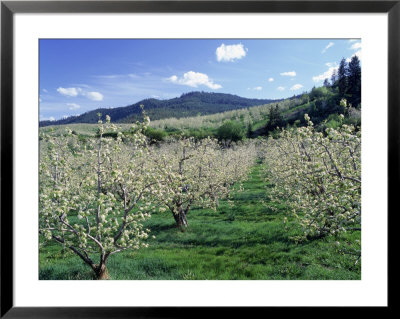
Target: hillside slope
(189,104)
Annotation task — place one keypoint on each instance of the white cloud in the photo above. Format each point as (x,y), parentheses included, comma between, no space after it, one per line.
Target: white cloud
(280,88)
(229,53)
(44,90)
(290,73)
(356,46)
(74,92)
(73,106)
(69,91)
(296,87)
(326,75)
(51,118)
(173,78)
(194,79)
(271,80)
(330,44)
(94,96)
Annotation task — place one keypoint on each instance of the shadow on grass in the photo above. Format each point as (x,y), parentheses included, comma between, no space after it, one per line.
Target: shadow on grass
(159,228)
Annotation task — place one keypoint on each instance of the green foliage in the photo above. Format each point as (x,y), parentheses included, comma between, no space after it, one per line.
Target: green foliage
(334,79)
(342,78)
(349,81)
(172,131)
(354,82)
(108,134)
(155,135)
(275,120)
(231,131)
(334,122)
(249,133)
(199,134)
(321,92)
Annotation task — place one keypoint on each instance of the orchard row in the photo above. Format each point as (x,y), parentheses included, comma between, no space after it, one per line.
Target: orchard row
(95,194)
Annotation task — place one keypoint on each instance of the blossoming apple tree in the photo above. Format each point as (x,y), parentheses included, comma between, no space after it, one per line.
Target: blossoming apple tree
(198,173)
(95,196)
(319,176)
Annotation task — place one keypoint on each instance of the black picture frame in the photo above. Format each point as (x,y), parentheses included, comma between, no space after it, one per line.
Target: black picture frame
(9,8)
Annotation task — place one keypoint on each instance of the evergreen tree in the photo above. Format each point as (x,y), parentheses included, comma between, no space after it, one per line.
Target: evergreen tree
(326,83)
(275,119)
(354,81)
(333,78)
(342,78)
(249,133)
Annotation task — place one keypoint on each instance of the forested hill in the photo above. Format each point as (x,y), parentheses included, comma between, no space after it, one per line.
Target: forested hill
(189,104)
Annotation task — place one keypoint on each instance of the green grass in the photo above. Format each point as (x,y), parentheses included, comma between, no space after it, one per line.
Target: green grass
(83,129)
(246,241)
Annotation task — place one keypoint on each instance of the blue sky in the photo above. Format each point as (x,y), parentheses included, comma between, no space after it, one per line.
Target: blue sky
(81,75)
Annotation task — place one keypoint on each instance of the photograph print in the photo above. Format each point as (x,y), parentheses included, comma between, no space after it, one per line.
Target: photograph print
(199,159)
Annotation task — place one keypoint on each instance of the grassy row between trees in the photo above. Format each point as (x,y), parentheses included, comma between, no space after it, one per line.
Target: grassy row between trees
(245,241)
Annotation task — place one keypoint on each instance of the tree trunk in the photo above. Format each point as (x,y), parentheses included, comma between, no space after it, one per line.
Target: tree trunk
(102,272)
(180,218)
(216,199)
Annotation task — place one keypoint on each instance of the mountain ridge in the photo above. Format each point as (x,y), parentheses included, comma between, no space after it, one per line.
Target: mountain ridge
(188,104)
